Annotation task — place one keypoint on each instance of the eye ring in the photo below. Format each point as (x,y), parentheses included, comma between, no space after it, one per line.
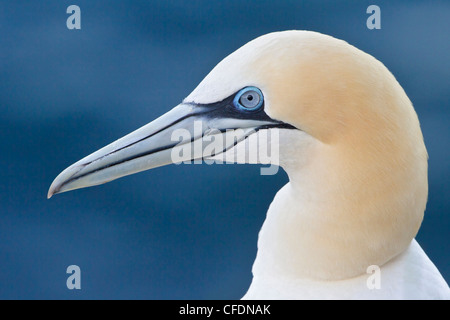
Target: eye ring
(249,99)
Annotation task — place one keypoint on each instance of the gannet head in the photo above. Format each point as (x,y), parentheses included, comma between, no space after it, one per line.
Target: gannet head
(349,140)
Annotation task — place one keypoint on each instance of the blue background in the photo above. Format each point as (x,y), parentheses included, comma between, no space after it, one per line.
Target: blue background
(175,232)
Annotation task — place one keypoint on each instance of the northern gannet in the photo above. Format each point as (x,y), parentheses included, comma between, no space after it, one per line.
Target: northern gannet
(351,144)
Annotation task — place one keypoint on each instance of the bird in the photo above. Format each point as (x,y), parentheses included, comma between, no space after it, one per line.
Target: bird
(349,139)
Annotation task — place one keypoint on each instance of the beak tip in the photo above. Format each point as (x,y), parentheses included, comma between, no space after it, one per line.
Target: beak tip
(55,188)
(60,184)
(51,191)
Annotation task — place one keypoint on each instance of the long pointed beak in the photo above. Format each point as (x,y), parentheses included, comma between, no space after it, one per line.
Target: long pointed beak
(151,145)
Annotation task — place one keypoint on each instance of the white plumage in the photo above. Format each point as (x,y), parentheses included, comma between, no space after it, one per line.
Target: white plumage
(411,275)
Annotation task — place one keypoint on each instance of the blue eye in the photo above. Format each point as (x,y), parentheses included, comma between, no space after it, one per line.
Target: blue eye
(249,99)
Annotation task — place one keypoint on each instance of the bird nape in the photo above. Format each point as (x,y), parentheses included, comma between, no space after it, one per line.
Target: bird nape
(348,138)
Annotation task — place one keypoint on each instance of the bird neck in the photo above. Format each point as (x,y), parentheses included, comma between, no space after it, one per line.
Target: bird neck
(334,218)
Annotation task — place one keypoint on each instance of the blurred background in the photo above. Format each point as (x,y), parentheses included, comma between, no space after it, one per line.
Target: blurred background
(176,232)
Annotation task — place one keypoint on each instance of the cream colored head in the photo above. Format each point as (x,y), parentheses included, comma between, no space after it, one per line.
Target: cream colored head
(358,167)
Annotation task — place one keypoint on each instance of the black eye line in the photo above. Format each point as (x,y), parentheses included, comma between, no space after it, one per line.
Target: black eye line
(226,108)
